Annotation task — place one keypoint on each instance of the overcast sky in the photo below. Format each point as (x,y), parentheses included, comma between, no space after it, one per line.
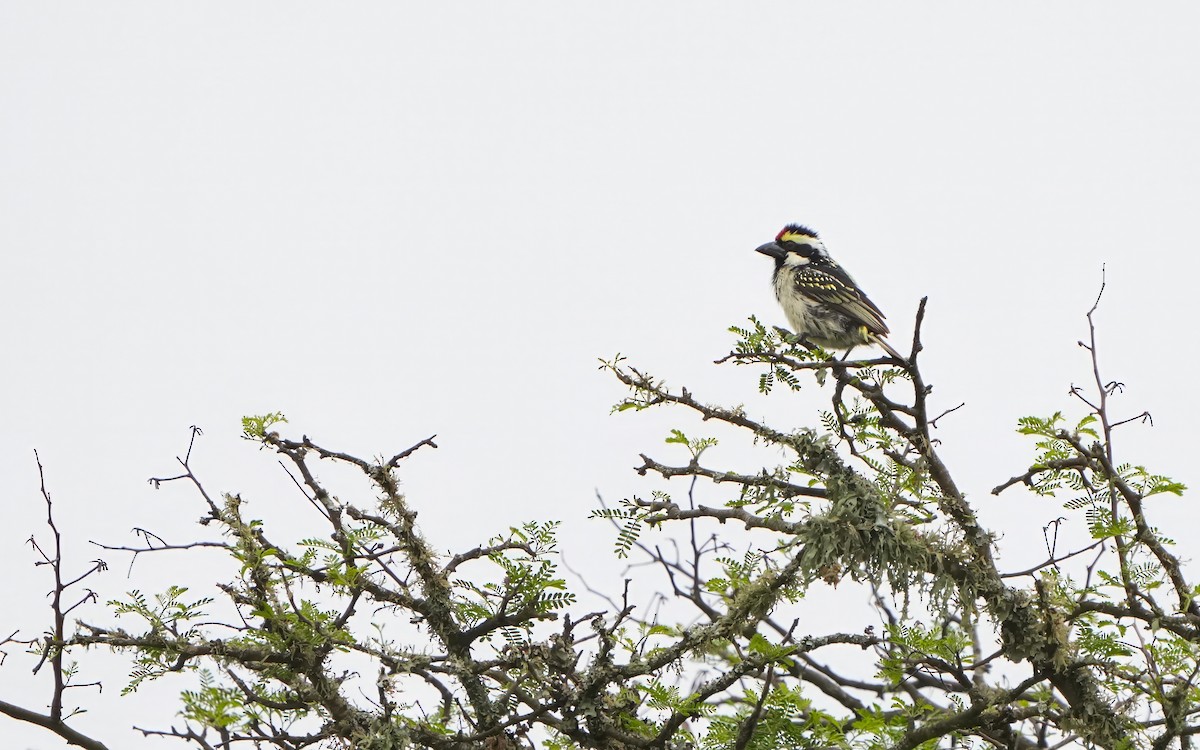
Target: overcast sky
(390,220)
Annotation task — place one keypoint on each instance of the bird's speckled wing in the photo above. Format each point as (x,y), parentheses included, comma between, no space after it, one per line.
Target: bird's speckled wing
(829,284)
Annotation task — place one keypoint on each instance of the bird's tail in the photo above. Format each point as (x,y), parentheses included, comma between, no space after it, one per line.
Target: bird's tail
(889,348)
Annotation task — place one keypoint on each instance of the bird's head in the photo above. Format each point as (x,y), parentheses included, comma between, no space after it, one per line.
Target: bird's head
(795,245)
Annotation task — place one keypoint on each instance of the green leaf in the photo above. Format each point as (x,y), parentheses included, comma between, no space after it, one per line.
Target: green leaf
(255,427)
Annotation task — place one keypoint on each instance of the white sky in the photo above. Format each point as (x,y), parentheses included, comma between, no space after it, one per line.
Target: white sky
(391,220)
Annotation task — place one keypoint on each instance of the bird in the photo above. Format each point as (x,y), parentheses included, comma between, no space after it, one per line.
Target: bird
(822,302)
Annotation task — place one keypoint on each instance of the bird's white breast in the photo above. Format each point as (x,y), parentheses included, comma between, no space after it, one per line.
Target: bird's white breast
(795,306)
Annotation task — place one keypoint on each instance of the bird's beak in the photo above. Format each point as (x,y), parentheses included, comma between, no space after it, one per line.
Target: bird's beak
(772,249)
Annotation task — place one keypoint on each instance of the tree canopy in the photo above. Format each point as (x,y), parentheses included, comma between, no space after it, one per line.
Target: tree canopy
(363,635)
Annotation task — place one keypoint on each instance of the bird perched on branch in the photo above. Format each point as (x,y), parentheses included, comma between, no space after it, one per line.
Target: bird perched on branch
(821,301)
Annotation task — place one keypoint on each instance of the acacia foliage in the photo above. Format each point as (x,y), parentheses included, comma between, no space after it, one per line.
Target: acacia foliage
(362,635)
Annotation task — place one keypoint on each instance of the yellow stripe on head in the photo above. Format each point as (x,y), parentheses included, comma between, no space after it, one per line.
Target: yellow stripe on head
(798,234)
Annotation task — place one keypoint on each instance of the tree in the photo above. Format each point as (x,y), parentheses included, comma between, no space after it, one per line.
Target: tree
(362,636)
